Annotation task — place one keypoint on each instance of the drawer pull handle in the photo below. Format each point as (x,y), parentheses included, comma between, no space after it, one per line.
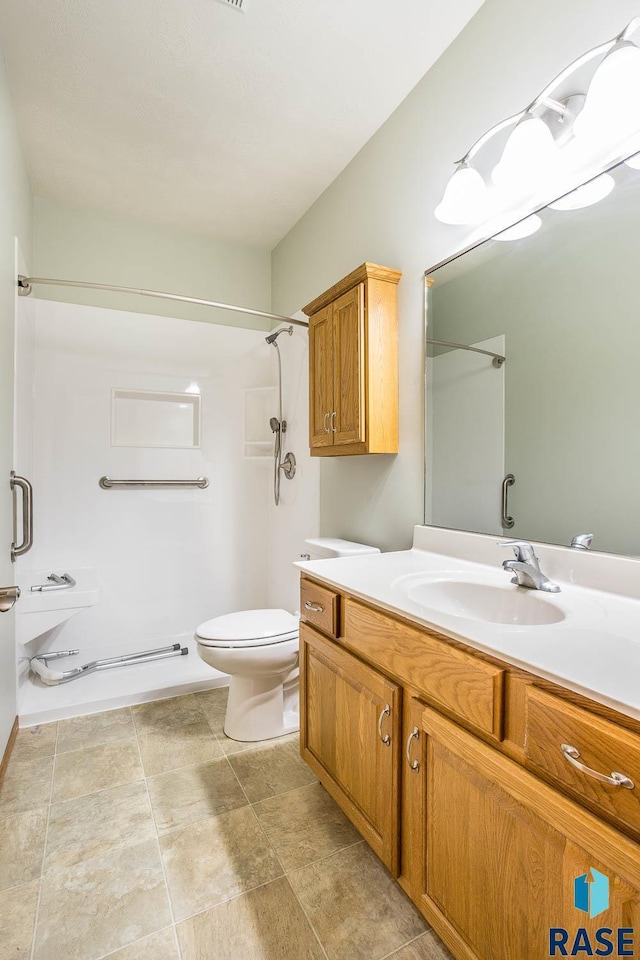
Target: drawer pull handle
(615,780)
(325,424)
(385,712)
(414,735)
(315,607)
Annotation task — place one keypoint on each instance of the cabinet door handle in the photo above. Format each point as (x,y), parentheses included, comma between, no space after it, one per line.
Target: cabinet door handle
(614,780)
(313,606)
(385,712)
(414,735)
(333,421)
(325,422)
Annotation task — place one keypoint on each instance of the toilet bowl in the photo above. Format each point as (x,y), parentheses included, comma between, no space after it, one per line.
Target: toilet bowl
(259,651)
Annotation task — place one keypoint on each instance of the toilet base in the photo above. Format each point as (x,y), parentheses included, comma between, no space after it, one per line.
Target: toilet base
(261,708)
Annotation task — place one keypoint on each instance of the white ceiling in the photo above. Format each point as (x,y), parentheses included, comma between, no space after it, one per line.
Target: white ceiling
(190,113)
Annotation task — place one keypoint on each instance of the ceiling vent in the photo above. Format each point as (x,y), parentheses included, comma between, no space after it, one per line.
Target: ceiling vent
(236,4)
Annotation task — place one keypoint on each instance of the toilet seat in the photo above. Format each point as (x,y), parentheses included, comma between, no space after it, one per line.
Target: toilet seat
(248,628)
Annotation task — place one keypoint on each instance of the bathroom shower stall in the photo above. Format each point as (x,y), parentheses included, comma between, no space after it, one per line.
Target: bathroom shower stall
(148,444)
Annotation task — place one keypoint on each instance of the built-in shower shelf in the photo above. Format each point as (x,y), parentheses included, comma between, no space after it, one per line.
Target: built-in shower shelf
(258,449)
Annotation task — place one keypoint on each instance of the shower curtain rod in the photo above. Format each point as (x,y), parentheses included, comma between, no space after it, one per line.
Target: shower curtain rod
(498,359)
(25,285)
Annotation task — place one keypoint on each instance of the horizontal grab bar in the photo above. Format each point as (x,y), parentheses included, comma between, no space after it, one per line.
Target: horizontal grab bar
(65,582)
(106,483)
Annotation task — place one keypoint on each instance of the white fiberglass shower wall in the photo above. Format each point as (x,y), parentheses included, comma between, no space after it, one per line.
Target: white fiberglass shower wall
(161,561)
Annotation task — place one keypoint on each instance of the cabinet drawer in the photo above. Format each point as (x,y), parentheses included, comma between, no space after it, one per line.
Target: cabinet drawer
(319,606)
(462,685)
(603,747)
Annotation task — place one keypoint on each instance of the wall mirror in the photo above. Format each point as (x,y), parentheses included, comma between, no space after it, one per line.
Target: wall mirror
(561,414)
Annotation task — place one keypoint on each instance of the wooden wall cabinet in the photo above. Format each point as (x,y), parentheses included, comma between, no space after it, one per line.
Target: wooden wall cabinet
(485,833)
(353,365)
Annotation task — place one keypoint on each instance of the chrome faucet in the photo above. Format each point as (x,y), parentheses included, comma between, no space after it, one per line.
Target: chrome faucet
(526,567)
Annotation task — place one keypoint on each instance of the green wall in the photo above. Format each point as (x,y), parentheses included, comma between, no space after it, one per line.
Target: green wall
(76,244)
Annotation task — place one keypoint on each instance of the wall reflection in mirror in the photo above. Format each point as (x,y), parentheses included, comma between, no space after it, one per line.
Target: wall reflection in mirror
(562,413)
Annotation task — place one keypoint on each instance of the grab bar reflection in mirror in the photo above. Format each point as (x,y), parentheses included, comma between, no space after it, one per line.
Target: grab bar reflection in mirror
(507,521)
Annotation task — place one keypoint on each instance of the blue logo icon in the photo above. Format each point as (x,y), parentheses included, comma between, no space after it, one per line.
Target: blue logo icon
(591,892)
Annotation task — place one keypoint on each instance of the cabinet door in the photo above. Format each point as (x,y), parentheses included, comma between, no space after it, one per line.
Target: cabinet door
(321,378)
(349,367)
(350,737)
(502,852)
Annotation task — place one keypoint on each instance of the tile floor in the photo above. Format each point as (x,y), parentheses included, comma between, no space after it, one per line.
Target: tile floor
(146,834)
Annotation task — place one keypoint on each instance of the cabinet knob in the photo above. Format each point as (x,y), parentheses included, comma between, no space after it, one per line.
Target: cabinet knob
(385,712)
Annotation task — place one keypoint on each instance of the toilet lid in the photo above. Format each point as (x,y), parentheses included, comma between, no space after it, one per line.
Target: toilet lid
(248,628)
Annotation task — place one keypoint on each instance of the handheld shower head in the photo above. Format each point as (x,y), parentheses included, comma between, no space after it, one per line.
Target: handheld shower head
(274,423)
(274,336)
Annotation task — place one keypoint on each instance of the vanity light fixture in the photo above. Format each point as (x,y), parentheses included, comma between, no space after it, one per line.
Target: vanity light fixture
(552,140)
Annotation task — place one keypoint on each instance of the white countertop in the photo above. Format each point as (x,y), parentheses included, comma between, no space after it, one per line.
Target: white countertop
(594,650)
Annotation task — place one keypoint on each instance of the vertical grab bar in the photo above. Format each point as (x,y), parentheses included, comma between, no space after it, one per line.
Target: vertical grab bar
(18,549)
(507,521)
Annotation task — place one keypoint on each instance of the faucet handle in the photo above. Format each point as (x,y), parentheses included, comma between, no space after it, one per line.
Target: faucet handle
(522,549)
(582,541)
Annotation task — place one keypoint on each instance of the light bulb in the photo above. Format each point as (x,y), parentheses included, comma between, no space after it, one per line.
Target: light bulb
(529,155)
(612,109)
(464,199)
(520,230)
(586,195)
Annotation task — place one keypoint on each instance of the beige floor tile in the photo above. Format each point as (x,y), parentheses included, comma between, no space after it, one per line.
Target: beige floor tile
(91,731)
(213,704)
(17,920)
(357,909)
(271,770)
(216,859)
(194,793)
(26,786)
(89,827)
(181,746)
(22,847)
(100,905)
(428,947)
(162,715)
(96,768)
(305,825)
(160,946)
(34,742)
(229,746)
(266,924)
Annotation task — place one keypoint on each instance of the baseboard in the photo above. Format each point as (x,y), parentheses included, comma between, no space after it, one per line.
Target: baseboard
(9,749)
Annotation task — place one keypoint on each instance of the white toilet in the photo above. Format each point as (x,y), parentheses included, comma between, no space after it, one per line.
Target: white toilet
(259,651)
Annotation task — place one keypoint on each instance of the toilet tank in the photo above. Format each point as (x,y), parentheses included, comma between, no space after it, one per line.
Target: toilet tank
(320,548)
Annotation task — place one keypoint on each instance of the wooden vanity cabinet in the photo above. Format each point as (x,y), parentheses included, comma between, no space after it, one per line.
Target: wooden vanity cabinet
(353,365)
(350,724)
(471,804)
(501,851)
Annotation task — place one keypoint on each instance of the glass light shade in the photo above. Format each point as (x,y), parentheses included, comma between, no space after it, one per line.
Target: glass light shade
(587,194)
(529,156)
(464,199)
(520,230)
(612,109)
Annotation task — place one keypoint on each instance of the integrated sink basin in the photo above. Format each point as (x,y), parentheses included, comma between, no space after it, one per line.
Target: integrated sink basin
(515,606)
